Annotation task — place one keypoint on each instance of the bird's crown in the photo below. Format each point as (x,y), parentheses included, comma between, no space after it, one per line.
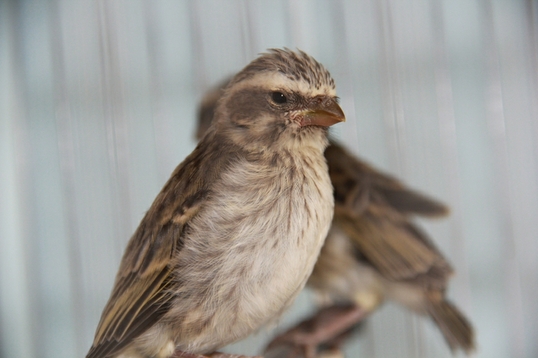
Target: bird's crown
(297,66)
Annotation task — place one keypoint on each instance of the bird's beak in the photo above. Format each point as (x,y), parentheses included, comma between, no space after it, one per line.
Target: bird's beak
(323,112)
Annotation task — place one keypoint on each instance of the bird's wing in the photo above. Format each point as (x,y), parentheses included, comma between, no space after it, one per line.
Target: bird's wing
(141,294)
(373,209)
(394,246)
(353,180)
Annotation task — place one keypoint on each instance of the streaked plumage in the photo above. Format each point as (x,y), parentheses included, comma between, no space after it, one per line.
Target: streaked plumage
(381,253)
(374,251)
(234,234)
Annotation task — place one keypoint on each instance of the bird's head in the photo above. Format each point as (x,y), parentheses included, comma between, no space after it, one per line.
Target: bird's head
(281,98)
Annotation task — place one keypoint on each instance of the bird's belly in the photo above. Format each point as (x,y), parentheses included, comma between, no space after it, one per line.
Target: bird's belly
(257,256)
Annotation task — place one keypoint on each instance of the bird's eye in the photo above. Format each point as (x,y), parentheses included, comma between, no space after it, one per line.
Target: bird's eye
(279,97)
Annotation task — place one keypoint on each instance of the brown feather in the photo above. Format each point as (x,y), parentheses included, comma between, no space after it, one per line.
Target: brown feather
(144,276)
(390,244)
(353,179)
(457,330)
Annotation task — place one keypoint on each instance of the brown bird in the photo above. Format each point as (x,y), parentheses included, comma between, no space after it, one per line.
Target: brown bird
(373,252)
(234,234)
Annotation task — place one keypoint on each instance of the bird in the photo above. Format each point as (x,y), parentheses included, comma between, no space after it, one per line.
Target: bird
(382,255)
(374,252)
(234,234)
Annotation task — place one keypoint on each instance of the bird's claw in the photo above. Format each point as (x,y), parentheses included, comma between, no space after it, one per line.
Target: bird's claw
(325,327)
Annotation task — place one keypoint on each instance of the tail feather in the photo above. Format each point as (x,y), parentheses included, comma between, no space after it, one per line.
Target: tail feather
(456,329)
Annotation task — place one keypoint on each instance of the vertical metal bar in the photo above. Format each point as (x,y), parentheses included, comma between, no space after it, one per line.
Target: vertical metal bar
(346,88)
(532,29)
(155,76)
(296,22)
(497,132)
(201,81)
(394,119)
(448,140)
(531,11)
(117,141)
(392,109)
(19,292)
(66,152)
(248,29)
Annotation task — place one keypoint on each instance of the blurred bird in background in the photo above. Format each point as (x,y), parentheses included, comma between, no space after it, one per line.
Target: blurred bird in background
(373,253)
(234,234)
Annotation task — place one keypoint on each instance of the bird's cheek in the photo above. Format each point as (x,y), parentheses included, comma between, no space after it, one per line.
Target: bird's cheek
(296,117)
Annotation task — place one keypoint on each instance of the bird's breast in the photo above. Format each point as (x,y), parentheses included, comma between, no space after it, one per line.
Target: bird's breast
(256,241)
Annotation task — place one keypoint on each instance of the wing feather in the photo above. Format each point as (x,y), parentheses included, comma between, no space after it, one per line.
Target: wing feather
(144,283)
(354,181)
(373,209)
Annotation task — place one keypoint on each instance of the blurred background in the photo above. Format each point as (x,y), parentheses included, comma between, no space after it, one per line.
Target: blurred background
(98,103)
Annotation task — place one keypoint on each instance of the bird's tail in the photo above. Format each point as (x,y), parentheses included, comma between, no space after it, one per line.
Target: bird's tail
(456,329)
